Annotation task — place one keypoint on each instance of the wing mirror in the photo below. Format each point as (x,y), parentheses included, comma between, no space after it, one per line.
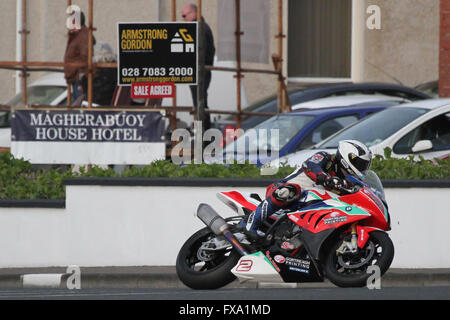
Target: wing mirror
(422,145)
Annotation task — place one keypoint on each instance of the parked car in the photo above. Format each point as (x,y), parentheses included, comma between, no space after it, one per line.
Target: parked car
(50,90)
(418,128)
(337,101)
(296,131)
(309,93)
(430,88)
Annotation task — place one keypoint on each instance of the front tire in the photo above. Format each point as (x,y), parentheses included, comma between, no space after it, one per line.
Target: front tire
(350,270)
(202,271)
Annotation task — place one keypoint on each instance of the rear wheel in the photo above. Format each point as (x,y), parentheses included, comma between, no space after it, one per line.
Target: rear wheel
(351,269)
(198,268)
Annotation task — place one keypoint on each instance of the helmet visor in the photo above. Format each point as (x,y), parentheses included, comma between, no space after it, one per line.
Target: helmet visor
(361,164)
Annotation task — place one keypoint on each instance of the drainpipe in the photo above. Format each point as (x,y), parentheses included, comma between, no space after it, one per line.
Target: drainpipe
(18,43)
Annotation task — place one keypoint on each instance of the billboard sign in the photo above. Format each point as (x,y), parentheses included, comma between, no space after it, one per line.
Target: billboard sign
(157,52)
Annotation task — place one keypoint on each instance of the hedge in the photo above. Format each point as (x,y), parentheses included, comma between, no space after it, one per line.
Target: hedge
(20,180)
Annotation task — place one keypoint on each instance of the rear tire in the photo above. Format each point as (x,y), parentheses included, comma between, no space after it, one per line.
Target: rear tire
(212,274)
(348,271)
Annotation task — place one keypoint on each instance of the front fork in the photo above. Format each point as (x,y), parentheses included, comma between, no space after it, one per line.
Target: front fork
(359,237)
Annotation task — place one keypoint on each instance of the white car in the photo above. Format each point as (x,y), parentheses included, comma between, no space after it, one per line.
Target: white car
(418,128)
(49,90)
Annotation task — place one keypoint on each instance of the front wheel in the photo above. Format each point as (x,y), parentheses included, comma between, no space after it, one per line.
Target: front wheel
(201,268)
(351,269)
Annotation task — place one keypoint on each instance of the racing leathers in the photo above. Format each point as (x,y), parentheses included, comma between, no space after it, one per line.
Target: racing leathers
(320,169)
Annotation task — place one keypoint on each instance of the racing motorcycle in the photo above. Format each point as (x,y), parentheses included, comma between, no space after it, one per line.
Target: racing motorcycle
(338,235)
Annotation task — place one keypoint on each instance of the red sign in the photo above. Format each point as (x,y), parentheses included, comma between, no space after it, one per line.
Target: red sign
(152,90)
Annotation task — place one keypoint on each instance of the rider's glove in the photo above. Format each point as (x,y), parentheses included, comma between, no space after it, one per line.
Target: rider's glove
(287,193)
(283,193)
(334,183)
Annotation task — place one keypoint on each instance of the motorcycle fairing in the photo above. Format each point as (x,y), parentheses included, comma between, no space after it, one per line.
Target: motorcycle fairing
(363,235)
(318,194)
(313,241)
(236,201)
(277,267)
(298,268)
(256,266)
(328,214)
(367,199)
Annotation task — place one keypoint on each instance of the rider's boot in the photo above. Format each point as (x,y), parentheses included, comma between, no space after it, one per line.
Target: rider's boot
(256,218)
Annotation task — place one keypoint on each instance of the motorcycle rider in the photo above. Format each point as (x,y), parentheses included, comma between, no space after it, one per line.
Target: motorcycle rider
(352,157)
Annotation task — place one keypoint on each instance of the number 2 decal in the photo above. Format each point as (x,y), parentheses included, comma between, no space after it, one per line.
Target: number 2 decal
(244,266)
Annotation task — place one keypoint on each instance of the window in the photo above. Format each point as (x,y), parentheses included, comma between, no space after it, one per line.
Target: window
(287,126)
(376,128)
(437,130)
(5,119)
(326,129)
(319,39)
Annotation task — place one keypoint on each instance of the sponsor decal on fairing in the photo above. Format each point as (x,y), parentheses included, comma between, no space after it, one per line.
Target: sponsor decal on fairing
(299,270)
(335,220)
(272,262)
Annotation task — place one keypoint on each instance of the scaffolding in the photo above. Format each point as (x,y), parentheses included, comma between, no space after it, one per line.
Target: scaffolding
(25,66)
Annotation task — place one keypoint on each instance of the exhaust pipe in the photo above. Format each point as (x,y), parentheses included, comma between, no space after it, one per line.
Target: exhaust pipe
(212,219)
(218,225)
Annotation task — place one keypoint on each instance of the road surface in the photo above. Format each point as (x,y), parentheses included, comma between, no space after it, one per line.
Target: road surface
(385,293)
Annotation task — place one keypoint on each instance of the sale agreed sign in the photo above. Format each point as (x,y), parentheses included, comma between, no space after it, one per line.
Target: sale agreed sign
(157,52)
(152,90)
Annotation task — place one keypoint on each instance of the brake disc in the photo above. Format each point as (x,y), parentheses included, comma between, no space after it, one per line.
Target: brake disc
(363,256)
(207,250)
(203,255)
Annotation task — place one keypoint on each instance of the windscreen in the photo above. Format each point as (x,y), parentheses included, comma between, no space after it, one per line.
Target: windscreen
(372,181)
(376,128)
(43,95)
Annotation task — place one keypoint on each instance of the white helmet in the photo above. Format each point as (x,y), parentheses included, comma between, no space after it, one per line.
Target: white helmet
(354,157)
